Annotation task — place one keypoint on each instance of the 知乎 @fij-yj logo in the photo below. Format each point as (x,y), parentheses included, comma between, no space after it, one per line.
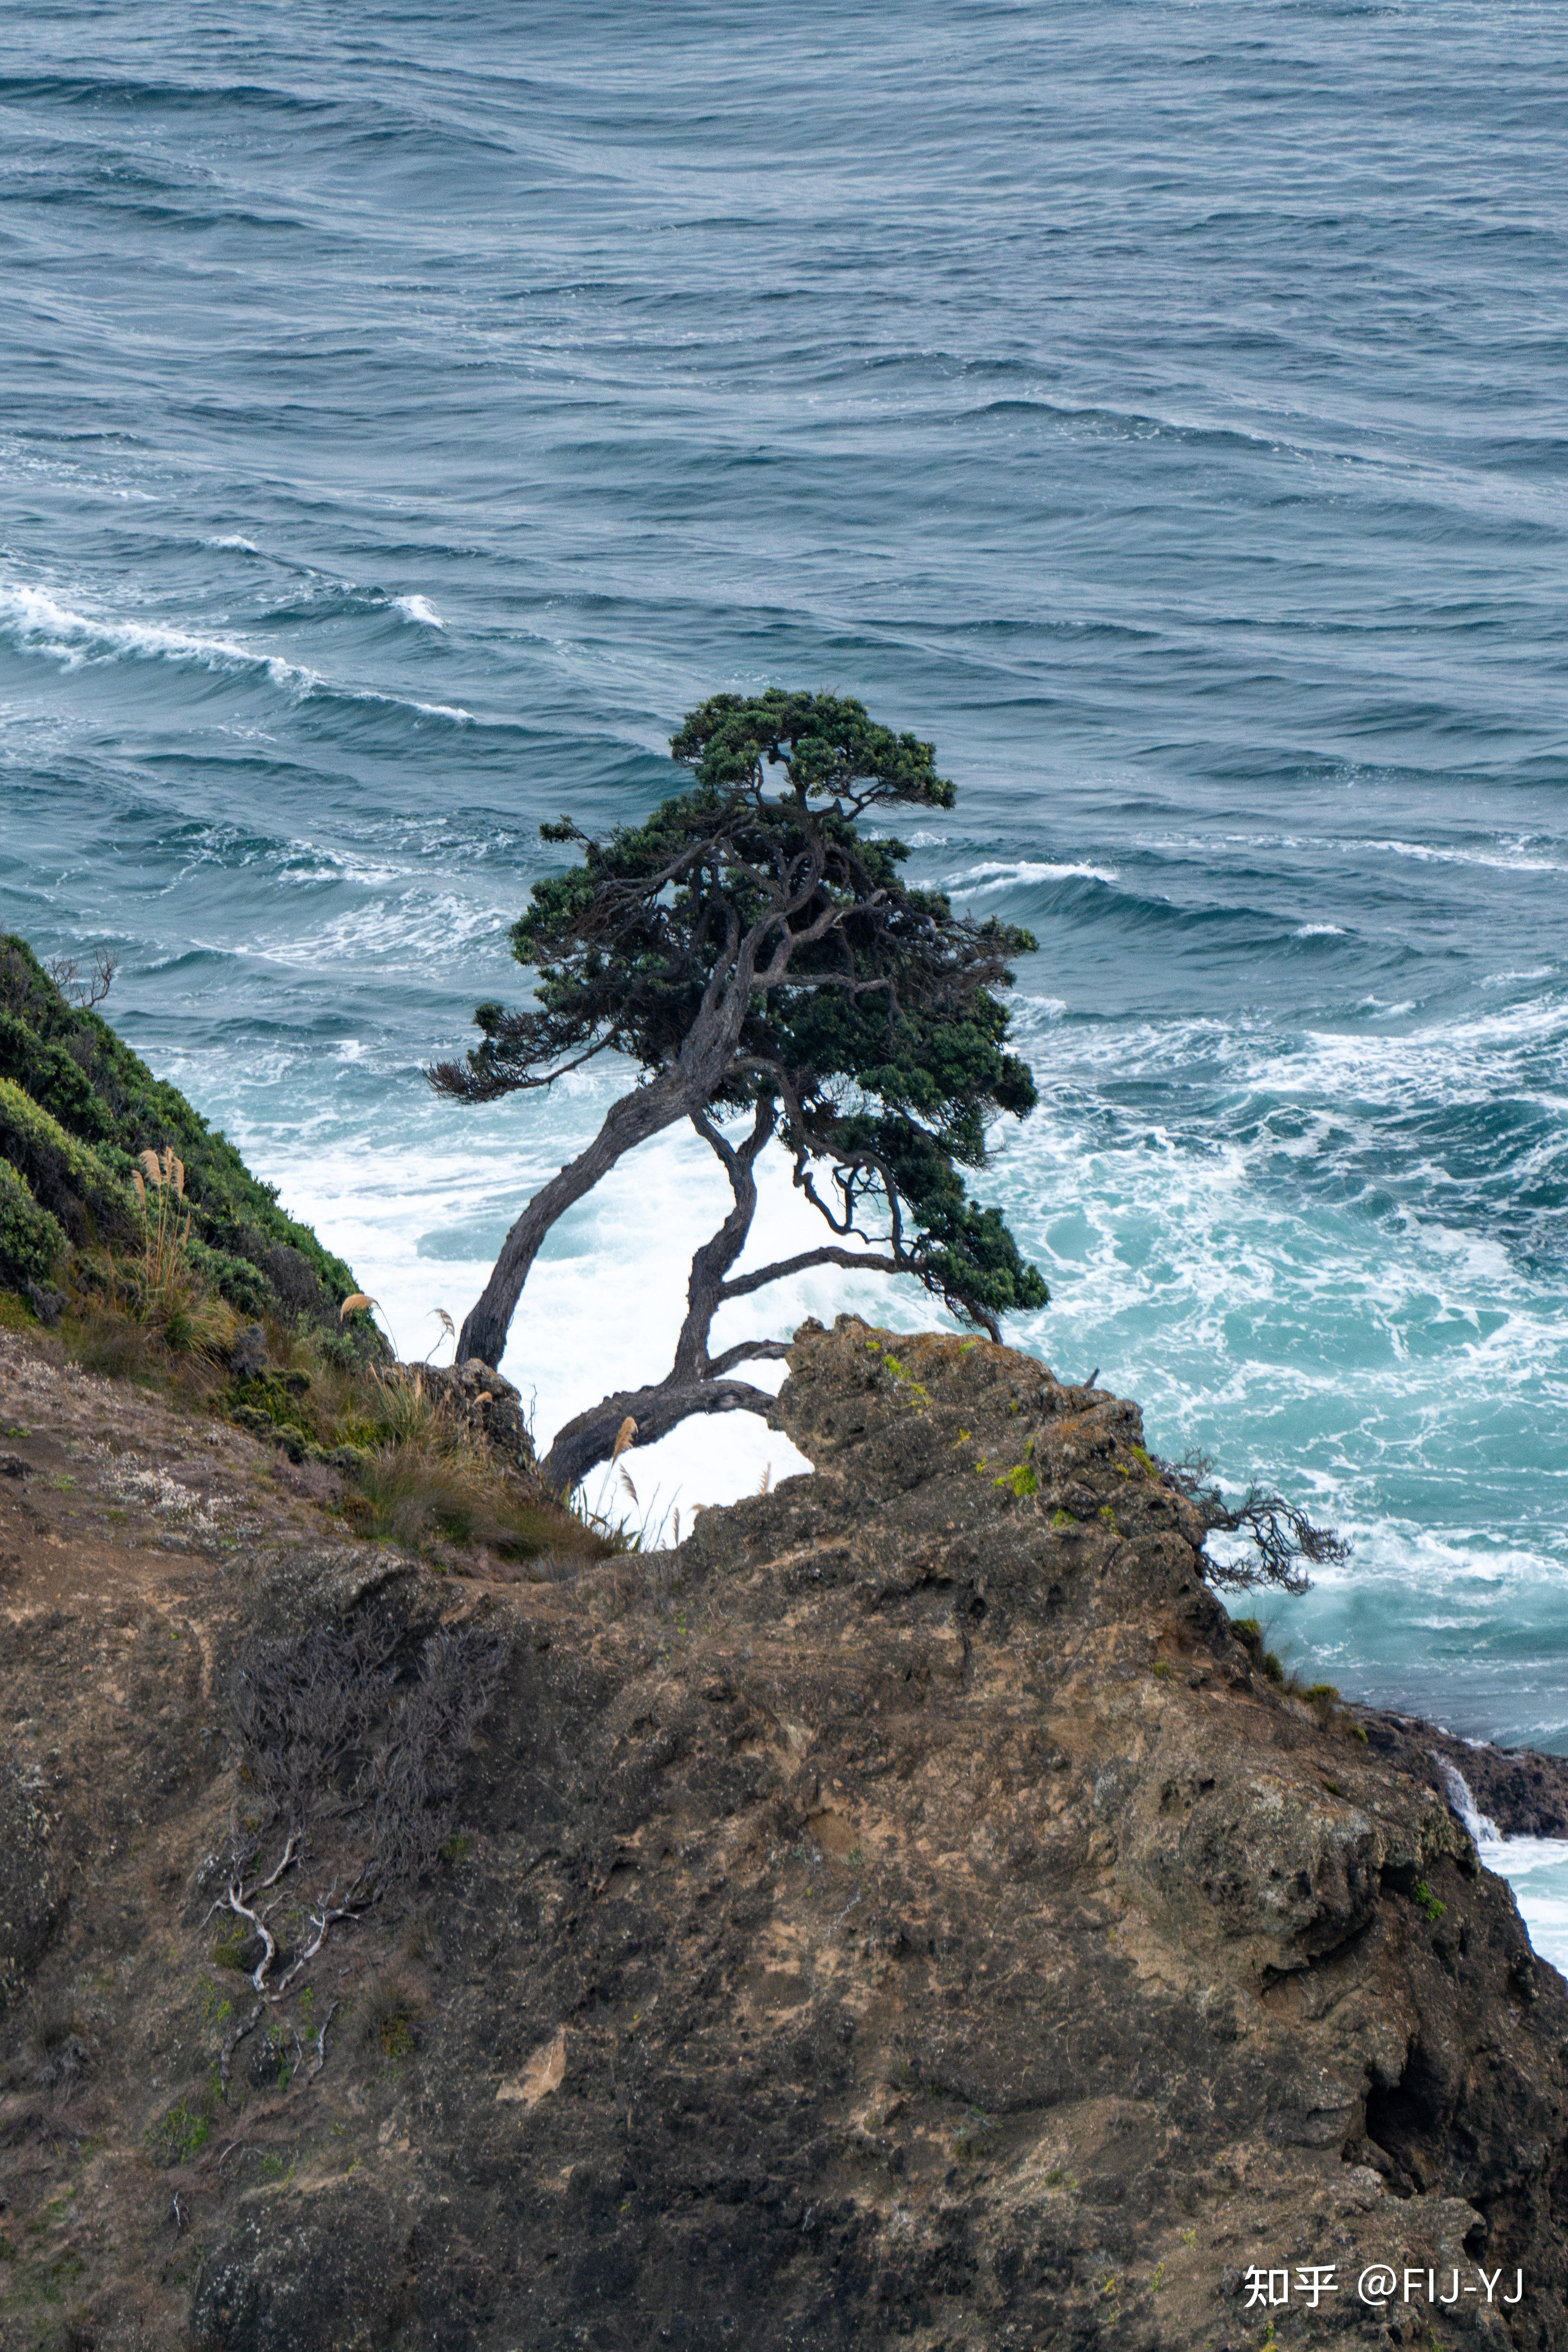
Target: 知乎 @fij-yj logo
(1378,2285)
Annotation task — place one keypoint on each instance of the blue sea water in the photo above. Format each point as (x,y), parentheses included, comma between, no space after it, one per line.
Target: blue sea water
(406,413)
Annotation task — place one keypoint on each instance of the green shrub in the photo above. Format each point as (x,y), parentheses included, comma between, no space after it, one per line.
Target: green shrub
(390,2010)
(98,1095)
(54,1079)
(66,1176)
(32,1242)
(183,2130)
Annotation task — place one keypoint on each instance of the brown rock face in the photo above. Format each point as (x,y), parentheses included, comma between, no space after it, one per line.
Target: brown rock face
(902,1916)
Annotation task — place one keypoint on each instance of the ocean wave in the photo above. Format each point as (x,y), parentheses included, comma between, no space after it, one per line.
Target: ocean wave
(420,609)
(997,873)
(39,622)
(1499,861)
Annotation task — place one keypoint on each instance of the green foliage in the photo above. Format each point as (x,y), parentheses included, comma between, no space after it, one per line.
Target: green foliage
(1021,1479)
(183,2130)
(389,2019)
(1425,1900)
(77,1184)
(825,743)
(78,1107)
(32,1242)
(870,1018)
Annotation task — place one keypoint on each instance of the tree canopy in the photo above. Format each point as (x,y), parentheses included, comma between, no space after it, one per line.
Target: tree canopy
(751,947)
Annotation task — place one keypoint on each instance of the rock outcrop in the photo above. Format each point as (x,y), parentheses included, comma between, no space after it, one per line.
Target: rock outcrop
(903,1914)
(1520,1793)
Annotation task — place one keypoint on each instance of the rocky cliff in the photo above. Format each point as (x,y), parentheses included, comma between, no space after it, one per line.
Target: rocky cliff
(902,1915)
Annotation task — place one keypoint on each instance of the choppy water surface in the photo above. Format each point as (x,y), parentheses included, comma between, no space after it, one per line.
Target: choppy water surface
(406,419)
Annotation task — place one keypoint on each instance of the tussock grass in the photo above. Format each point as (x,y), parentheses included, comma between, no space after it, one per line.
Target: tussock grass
(390,2009)
(374,1441)
(416,1492)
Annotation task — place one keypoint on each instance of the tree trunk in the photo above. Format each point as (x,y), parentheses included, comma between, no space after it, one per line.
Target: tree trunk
(713,1262)
(645,1111)
(591,1437)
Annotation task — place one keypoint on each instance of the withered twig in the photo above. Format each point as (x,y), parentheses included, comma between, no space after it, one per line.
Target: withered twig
(324,1920)
(232,2041)
(322,2043)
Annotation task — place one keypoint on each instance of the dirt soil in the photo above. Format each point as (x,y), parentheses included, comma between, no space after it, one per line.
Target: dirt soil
(907,1914)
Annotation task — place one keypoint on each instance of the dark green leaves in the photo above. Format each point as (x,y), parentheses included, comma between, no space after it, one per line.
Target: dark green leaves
(827,744)
(756,940)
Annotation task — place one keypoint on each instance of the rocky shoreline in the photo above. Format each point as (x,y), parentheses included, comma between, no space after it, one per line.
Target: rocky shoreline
(906,1913)
(1521,1791)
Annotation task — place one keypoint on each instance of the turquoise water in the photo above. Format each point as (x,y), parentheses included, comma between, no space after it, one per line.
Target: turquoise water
(404,420)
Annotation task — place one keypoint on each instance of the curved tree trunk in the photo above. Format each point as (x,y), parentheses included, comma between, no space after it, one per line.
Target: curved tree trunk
(686,1087)
(645,1112)
(696,1381)
(590,1439)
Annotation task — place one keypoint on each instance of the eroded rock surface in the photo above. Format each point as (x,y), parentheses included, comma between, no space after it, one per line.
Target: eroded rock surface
(904,1916)
(1523,1794)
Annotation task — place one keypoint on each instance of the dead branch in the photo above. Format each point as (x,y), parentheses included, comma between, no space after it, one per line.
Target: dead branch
(1287,1540)
(323,1921)
(322,2043)
(232,2041)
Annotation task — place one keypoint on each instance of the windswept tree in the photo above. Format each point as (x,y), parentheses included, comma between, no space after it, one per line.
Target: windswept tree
(757,957)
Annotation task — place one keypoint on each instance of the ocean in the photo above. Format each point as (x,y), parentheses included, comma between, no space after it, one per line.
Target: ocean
(405,416)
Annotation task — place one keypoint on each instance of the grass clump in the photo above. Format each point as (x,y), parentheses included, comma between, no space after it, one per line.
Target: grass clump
(390,2010)
(420,1479)
(182,2131)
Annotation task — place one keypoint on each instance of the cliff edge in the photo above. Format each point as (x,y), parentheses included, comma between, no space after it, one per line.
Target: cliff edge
(906,1913)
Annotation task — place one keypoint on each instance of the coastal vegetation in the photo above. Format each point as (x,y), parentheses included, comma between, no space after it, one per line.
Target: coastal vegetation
(756,957)
(133,1233)
(90,1141)
(137,1237)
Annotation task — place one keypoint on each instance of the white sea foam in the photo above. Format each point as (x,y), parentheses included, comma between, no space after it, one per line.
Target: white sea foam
(420,608)
(1536,1868)
(409,1218)
(1320,931)
(1500,861)
(233,539)
(42,624)
(998,874)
